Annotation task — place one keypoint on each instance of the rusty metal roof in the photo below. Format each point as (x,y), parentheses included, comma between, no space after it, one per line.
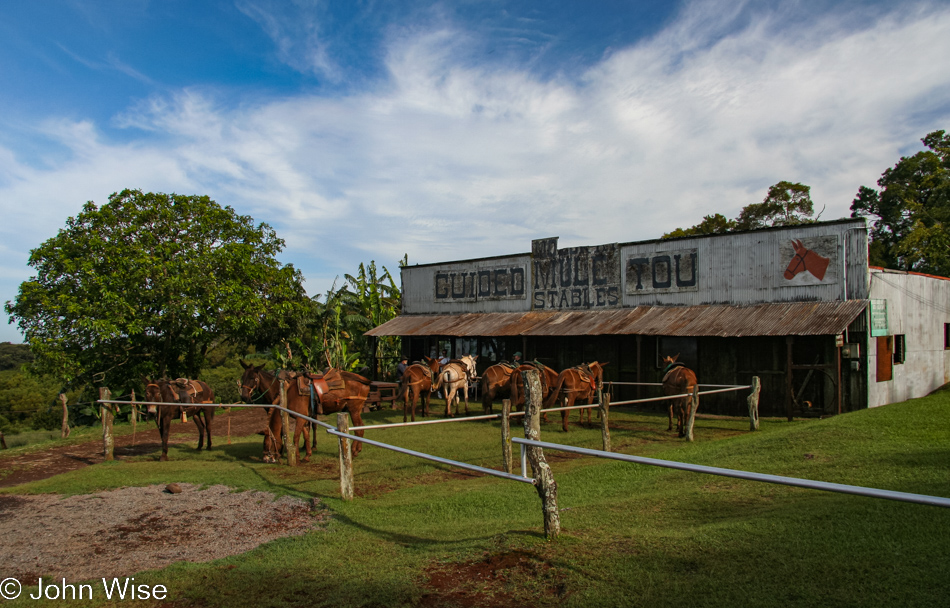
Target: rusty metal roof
(773,319)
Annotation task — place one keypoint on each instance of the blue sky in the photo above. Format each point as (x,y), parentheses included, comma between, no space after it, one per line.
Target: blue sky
(368,130)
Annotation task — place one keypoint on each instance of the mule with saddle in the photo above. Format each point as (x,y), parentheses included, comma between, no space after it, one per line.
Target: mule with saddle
(178,398)
(308,394)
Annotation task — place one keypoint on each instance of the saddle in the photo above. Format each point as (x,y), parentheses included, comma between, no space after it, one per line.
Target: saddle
(191,386)
(584,372)
(330,381)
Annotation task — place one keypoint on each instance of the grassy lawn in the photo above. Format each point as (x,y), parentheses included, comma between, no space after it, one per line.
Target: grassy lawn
(632,535)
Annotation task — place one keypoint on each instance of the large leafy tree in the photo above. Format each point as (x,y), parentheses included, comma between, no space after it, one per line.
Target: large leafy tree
(786,204)
(910,212)
(148,283)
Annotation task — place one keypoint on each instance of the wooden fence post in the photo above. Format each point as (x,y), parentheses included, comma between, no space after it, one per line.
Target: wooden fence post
(346,456)
(65,429)
(544,478)
(693,407)
(604,407)
(753,401)
(286,434)
(105,410)
(134,415)
(506,434)
(229,426)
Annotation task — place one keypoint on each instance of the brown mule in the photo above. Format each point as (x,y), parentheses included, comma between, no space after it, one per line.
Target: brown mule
(496,384)
(177,395)
(334,391)
(678,380)
(578,382)
(417,382)
(548,378)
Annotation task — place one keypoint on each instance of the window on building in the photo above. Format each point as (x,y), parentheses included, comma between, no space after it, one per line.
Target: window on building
(946,335)
(899,349)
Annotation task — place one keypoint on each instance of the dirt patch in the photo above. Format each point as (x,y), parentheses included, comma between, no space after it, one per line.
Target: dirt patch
(121,532)
(53,461)
(517,578)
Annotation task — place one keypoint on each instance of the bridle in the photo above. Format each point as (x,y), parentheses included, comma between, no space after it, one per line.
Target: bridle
(257,386)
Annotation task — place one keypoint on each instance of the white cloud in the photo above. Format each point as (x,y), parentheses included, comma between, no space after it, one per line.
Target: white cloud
(447,160)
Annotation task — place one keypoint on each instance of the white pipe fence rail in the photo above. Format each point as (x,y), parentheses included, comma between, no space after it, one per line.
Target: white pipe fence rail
(923,499)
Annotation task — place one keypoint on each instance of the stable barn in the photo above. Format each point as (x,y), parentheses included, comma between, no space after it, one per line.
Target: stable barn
(799,307)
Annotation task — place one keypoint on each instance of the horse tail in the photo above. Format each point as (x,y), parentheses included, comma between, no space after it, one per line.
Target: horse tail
(552,397)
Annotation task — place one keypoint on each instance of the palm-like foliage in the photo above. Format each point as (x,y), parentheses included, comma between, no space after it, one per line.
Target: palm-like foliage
(366,300)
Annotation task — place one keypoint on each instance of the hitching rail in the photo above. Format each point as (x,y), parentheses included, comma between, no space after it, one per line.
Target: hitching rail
(936,501)
(454,463)
(667,397)
(332,430)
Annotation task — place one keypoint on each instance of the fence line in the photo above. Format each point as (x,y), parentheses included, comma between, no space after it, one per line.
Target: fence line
(423,455)
(826,486)
(614,383)
(667,397)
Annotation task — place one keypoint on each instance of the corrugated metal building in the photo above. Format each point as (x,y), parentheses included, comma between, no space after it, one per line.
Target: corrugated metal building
(797,306)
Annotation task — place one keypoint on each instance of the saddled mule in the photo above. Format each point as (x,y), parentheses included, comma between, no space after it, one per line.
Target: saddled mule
(547,376)
(678,380)
(496,384)
(578,382)
(417,382)
(455,376)
(333,391)
(263,386)
(179,395)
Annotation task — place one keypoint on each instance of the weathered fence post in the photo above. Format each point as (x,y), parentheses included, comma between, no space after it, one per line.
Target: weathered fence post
(753,401)
(134,416)
(346,456)
(506,434)
(65,430)
(693,406)
(544,478)
(229,426)
(286,435)
(604,407)
(105,410)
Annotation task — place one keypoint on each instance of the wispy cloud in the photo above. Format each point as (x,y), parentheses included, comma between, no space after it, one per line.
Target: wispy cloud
(448,158)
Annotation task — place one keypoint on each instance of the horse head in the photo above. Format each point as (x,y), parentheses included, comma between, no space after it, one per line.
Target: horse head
(251,381)
(806,259)
(153,393)
(469,362)
(433,363)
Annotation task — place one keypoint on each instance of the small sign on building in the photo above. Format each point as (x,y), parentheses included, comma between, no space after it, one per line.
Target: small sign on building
(879,318)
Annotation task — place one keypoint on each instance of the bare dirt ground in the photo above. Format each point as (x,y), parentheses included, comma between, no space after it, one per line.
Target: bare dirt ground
(121,532)
(47,463)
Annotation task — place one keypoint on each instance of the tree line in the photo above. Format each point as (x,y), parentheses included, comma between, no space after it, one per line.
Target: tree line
(908,212)
(160,285)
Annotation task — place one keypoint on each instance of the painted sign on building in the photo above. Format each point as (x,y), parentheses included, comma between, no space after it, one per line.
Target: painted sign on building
(575,277)
(662,271)
(500,283)
(810,260)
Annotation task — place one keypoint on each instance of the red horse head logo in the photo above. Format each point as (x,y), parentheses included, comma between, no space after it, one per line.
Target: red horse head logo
(806,259)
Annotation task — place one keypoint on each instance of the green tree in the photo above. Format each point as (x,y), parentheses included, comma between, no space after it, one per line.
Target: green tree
(711,224)
(147,284)
(786,204)
(910,213)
